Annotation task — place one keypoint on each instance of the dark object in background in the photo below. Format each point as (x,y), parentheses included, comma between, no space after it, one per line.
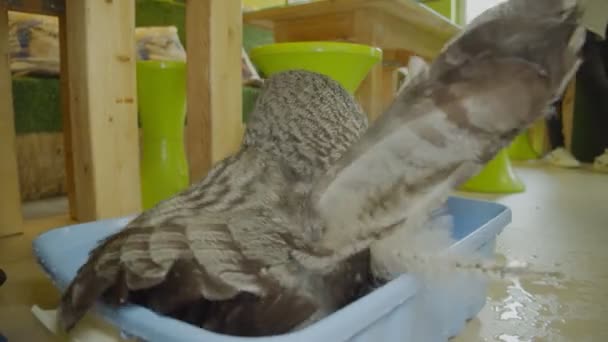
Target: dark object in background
(555,127)
(590,131)
(2,278)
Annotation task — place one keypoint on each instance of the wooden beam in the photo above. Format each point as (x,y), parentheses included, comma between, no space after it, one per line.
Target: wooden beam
(214,113)
(64,82)
(100,51)
(10,198)
(568,106)
(332,26)
(408,11)
(370,92)
(389,85)
(392,61)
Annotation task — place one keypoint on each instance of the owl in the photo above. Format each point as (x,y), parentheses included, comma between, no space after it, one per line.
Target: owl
(290,228)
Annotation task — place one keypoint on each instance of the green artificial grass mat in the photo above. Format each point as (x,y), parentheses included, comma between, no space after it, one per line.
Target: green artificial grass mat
(37,105)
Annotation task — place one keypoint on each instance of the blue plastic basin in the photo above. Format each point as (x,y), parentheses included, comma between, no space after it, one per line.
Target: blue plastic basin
(402,310)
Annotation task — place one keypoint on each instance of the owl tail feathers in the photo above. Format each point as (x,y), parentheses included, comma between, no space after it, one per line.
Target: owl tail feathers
(80,296)
(90,284)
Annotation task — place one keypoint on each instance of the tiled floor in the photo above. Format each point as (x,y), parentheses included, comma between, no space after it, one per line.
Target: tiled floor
(559,223)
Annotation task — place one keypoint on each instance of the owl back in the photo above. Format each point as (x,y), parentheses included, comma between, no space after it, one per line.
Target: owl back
(306,120)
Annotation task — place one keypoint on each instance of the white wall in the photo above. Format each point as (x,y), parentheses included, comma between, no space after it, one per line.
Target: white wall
(595,17)
(474,8)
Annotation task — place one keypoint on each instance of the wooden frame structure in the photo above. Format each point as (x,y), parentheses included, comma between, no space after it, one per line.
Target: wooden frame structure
(98,84)
(398,27)
(215,127)
(99,101)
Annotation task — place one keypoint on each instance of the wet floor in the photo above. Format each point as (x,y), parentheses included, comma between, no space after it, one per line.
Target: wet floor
(560,224)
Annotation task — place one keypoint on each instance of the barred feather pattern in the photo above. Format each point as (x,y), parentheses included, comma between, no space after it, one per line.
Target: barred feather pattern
(231,234)
(304,123)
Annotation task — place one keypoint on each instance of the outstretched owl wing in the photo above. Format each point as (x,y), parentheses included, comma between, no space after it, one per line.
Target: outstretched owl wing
(490,83)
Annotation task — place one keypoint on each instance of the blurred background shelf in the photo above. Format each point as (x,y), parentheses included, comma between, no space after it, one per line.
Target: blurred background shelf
(399,27)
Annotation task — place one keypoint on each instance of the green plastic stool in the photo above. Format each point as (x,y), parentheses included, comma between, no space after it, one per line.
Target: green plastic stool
(521,148)
(346,63)
(496,177)
(161,92)
(529,145)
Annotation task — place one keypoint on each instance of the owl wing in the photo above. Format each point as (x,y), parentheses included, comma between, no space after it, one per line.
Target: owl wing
(485,87)
(194,262)
(197,246)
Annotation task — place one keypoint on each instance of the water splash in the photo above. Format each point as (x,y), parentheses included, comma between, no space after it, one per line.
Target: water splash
(544,309)
(511,338)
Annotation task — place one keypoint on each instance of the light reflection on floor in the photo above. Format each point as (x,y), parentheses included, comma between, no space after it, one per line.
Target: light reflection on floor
(559,224)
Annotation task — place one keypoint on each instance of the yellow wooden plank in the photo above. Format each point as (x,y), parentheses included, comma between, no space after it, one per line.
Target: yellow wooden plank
(404,24)
(392,61)
(198,129)
(215,127)
(103,107)
(568,102)
(332,26)
(370,93)
(66,119)
(406,10)
(10,199)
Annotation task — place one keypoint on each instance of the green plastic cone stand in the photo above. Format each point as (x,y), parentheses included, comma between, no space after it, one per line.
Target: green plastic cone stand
(521,148)
(537,137)
(161,92)
(346,63)
(496,177)
(529,145)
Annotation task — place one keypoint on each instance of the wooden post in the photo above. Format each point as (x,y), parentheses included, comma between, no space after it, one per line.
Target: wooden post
(392,60)
(64,82)
(10,198)
(388,85)
(214,118)
(370,92)
(568,106)
(100,51)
